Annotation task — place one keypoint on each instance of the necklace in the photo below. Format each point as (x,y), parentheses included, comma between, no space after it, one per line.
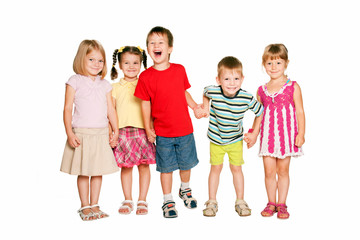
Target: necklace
(273,96)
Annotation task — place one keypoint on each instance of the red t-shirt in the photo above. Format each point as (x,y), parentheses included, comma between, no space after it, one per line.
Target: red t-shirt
(166,92)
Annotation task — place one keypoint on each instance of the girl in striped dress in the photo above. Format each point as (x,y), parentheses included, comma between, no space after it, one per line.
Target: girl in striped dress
(282,128)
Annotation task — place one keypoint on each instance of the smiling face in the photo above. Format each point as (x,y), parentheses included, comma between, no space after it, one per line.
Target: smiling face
(275,68)
(230,81)
(130,65)
(159,50)
(94,63)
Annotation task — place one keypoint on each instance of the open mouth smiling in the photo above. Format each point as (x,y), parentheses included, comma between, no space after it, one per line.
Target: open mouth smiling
(157,53)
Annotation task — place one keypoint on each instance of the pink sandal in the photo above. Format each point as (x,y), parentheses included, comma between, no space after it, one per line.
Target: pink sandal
(282,210)
(268,212)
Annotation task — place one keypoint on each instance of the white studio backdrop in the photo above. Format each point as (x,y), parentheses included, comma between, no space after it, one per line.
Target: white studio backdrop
(40,40)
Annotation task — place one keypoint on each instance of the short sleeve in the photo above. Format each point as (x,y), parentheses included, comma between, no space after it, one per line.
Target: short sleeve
(186,81)
(107,86)
(256,107)
(141,91)
(207,91)
(72,81)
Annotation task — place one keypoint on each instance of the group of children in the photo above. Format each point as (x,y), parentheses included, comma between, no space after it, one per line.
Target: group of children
(116,126)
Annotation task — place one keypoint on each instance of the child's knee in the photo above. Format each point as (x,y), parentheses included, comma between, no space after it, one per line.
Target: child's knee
(235,169)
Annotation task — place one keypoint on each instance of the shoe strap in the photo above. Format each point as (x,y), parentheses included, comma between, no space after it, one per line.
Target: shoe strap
(86,207)
(142,202)
(128,201)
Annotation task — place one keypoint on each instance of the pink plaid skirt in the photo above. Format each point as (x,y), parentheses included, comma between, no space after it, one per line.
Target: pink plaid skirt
(133,148)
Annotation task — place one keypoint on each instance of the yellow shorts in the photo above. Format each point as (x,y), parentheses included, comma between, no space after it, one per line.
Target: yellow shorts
(234,151)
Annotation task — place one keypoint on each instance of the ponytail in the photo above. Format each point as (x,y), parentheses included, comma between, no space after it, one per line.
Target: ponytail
(114,73)
(144,59)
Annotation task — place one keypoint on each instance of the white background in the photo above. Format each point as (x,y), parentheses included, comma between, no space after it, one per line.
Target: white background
(39,42)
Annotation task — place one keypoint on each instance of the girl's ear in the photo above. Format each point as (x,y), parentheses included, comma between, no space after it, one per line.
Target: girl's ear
(287,63)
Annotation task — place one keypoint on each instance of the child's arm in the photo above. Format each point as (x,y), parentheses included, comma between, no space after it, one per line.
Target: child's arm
(113,120)
(194,106)
(73,140)
(204,110)
(300,116)
(251,137)
(190,101)
(148,123)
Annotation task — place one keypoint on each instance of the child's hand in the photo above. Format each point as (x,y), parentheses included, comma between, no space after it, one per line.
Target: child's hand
(299,140)
(250,139)
(150,133)
(113,140)
(73,140)
(200,111)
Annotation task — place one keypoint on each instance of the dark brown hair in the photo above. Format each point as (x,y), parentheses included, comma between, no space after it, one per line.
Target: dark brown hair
(130,49)
(161,31)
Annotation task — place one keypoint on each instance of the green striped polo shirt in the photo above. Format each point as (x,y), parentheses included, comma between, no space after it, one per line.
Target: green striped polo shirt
(226,114)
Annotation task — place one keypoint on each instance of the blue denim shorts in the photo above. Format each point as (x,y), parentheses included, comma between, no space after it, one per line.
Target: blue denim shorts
(175,153)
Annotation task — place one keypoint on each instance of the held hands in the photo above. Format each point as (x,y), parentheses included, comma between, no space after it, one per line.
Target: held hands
(113,139)
(250,139)
(200,111)
(150,133)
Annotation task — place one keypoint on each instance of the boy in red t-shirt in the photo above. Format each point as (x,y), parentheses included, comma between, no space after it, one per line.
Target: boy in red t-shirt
(162,89)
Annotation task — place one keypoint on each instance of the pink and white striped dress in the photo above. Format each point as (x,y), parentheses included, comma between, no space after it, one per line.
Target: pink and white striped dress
(279,127)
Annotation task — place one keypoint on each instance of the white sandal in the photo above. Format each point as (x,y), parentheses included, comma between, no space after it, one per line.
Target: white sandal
(127,207)
(142,208)
(242,208)
(211,208)
(100,214)
(86,217)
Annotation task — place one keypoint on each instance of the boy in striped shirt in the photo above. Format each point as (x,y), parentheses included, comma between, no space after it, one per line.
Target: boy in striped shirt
(228,106)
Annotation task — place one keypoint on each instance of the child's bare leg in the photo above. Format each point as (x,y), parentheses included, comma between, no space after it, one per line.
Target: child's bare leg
(83,188)
(185,175)
(270,178)
(95,187)
(144,182)
(283,178)
(214,179)
(126,184)
(166,182)
(238,180)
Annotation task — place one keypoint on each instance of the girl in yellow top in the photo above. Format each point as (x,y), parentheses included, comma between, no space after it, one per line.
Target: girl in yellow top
(133,147)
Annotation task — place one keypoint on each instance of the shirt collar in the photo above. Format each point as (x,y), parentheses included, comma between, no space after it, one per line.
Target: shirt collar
(123,82)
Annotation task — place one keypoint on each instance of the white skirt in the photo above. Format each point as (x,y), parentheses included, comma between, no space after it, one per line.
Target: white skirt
(94,156)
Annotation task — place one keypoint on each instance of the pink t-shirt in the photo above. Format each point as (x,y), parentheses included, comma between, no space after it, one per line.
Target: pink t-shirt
(90,101)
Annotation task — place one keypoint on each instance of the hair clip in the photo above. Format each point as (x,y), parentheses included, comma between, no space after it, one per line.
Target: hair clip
(121,49)
(140,49)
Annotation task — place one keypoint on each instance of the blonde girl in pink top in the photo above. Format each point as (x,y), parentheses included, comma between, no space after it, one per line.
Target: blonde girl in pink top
(282,128)
(88,153)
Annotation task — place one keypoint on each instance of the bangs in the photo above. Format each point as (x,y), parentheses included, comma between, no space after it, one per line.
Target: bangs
(275,51)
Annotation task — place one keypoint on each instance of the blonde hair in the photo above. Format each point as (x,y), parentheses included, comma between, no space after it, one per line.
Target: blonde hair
(275,51)
(231,63)
(84,49)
